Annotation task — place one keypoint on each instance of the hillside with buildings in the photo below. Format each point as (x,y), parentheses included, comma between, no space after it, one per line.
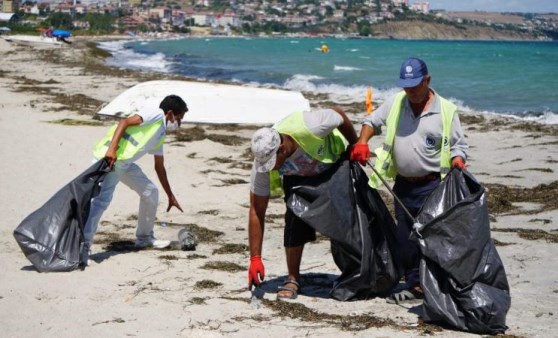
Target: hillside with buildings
(399,19)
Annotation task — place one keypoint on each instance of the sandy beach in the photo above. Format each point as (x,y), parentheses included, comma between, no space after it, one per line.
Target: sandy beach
(48,98)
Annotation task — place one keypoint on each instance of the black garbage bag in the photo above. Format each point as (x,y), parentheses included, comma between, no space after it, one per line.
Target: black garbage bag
(463,278)
(360,227)
(52,236)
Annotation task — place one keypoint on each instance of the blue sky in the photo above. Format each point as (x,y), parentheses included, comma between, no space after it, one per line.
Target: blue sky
(525,6)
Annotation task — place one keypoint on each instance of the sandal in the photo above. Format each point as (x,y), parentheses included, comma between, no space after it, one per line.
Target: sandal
(405,296)
(294,291)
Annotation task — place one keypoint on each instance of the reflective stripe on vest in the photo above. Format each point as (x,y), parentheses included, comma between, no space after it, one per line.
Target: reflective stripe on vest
(324,149)
(132,141)
(384,160)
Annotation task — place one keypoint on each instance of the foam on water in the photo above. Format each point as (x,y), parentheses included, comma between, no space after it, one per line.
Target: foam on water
(343,79)
(345,68)
(127,58)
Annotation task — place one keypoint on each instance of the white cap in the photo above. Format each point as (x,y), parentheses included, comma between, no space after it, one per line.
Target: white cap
(265,143)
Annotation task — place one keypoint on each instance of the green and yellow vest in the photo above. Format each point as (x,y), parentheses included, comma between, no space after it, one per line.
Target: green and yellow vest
(132,141)
(324,149)
(384,160)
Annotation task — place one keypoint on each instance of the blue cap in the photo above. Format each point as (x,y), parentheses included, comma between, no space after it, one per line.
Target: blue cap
(412,72)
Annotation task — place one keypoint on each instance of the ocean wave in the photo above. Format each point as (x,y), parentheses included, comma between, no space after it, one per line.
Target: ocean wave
(546,117)
(355,94)
(127,58)
(336,92)
(345,68)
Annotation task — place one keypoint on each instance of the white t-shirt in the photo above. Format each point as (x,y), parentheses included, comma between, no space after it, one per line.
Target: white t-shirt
(319,122)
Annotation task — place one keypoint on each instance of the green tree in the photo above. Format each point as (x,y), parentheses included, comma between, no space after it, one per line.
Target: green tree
(59,20)
(100,23)
(364,28)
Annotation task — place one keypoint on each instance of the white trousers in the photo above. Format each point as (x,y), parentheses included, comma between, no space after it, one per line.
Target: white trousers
(131,175)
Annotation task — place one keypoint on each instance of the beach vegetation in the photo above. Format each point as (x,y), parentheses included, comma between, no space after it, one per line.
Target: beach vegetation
(501,198)
(231,248)
(212,212)
(198,300)
(74,122)
(207,284)
(203,234)
(223,266)
(168,257)
(530,234)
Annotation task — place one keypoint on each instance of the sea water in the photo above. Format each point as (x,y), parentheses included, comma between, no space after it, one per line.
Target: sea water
(511,78)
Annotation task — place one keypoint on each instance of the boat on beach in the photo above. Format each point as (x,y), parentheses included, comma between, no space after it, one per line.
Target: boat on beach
(34,40)
(211,102)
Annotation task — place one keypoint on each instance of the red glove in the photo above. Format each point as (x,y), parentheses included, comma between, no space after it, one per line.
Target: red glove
(361,153)
(256,271)
(457,162)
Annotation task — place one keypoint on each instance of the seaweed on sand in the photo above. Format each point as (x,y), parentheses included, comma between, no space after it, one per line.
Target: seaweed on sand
(501,197)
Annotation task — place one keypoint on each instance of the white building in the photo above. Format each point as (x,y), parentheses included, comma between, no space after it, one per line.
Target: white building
(420,6)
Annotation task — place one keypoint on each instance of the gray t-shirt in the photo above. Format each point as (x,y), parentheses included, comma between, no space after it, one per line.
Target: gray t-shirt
(417,144)
(319,122)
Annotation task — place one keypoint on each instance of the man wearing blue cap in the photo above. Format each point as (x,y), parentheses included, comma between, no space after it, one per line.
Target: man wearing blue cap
(423,141)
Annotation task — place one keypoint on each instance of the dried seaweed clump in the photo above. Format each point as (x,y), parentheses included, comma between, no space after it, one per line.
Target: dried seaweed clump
(79,103)
(231,248)
(203,234)
(73,122)
(207,284)
(228,140)
(501,197)
(531,234)
(197,300)
(223,266)
(189,134)
(347,323)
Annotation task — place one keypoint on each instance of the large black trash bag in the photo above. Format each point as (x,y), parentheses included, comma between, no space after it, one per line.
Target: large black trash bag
(461,273)
(362,232)
(52,236)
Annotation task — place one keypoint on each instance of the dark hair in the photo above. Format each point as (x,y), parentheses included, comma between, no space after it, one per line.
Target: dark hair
(174,103)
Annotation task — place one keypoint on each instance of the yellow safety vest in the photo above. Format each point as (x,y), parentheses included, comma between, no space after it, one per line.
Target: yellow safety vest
(324,149)
(384,158)
(133,140)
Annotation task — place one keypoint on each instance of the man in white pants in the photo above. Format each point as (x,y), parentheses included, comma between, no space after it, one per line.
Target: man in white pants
(141,133)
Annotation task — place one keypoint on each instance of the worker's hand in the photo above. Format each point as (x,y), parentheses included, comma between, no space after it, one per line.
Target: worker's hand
(360,152)
(110,157)
(256,271)
(173,203)
(457,162)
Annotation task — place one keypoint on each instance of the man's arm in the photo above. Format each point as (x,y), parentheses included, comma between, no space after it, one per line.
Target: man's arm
(366,134)
(346,128)
(162,175)
(256,221)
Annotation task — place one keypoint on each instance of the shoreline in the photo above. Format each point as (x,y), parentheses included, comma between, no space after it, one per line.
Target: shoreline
(337,90)
(203,293)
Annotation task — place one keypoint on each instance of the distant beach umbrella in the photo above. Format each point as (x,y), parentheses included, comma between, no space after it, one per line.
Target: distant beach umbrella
(59,33)
(5,29)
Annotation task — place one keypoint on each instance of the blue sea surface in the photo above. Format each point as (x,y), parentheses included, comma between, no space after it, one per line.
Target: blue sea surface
(515,78)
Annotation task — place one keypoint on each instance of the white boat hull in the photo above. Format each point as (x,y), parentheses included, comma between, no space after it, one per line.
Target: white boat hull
(211,103)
